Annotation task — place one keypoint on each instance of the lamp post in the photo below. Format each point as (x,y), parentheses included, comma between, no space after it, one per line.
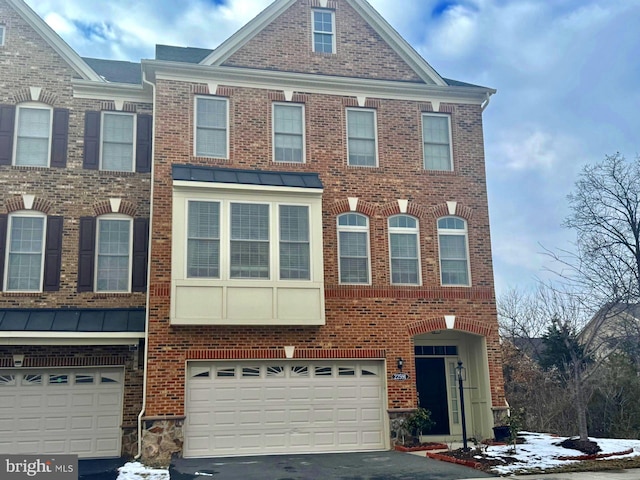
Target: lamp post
(462,373)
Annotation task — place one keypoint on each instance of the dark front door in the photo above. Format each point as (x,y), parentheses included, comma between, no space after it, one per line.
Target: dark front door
(431,382)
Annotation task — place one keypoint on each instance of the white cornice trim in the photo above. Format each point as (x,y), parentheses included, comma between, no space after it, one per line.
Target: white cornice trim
(247,32)
(53,39)
(397,43)
(245,187)
(70,338)
(319,84)
(112,91)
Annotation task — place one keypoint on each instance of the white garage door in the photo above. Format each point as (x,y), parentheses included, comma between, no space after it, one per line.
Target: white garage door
(61,411)
(270,407)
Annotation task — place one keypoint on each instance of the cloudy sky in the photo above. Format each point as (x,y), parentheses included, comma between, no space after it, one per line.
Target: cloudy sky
(566,72)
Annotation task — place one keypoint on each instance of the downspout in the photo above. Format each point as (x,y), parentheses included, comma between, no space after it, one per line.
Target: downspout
(484,105)
(146,323)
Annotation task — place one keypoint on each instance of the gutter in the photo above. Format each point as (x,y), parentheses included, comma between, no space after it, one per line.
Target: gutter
(146,323)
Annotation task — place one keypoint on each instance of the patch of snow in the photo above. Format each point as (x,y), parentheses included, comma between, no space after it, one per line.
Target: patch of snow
(542,451)
(138,471)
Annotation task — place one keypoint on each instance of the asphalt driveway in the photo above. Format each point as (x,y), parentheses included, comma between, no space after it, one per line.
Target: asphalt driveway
(388,465)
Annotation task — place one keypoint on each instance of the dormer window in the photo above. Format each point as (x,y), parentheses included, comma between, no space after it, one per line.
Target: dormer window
(324,32)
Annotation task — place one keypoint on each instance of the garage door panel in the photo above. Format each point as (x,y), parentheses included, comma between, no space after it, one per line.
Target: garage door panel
(275,418)
(50,413)
(284,407)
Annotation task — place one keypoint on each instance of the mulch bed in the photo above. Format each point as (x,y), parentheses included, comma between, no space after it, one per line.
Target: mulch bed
(419,447)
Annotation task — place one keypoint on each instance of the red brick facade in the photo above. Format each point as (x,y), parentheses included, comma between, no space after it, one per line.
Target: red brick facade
(376,321)
(28,60)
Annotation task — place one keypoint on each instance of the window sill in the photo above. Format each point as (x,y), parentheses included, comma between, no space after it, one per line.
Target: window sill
(22,294)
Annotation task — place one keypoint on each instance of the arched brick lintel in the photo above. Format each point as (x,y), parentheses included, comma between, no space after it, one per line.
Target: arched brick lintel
(442,210)
(462,324)
(342,206)
(278,353)
(15,204)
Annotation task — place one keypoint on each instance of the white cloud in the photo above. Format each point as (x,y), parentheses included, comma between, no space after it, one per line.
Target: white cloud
(534,149)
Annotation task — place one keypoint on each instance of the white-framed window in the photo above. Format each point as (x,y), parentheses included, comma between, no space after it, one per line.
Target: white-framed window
(203,239)
(3,29)
(404,250)
(324,31)
(453,245)
(436,137)
(362,144)
(212,127)
(353,248)
(249,240)
(295,260)
(33,135)
(228,239)
(288,133)
(118,141)
(114,241)
(25,252)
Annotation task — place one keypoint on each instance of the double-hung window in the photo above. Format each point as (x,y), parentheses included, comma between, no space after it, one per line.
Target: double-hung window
(25,252)
(288,133)
(324,38)
(403,248)
(454,260)
(113,258)
(361,137)
(249,246)
(33,135)
(212,127)
(294,243)
(203,239)
(353,248)
(118,140)
(436,136)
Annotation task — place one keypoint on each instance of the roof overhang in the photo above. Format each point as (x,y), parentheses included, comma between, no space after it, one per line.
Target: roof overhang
(70,338)
(155,70)
(125,92)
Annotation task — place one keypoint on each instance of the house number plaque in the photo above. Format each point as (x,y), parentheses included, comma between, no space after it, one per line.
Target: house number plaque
(400,376)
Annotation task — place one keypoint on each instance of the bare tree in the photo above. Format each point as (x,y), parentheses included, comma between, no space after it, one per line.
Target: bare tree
(605,214)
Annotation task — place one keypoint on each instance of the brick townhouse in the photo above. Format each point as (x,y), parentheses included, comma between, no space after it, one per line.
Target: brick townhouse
(320,253)
(75,173)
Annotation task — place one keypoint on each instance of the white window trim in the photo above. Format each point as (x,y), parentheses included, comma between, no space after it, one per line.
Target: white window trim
(375,135)
(186,237)
(113,216)
(135,133)
(333,30)
(195,125)
(225,239)
(424,163)
(32,105)
(351,228)
(406,231)
(24,213)
(459,232)
(3,30)
(273,128)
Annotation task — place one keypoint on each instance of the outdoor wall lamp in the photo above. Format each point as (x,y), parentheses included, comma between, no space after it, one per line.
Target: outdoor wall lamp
(400,363)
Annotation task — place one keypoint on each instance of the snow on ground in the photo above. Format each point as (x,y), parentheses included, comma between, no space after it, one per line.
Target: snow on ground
(541,451)
(137,471)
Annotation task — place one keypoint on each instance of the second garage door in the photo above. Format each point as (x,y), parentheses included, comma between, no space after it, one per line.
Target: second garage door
(61,411)
(254,408)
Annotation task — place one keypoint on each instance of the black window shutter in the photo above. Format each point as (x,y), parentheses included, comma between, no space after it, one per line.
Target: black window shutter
(3,242)
(143,143)
(60,138)
(140,254)
(7,123)
(86,254)
(91,140)
(53,255)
